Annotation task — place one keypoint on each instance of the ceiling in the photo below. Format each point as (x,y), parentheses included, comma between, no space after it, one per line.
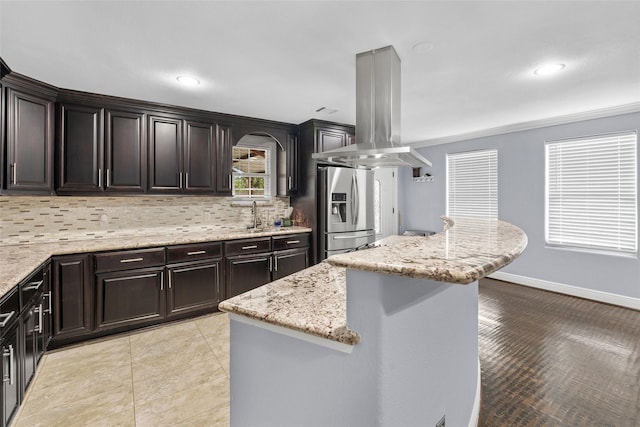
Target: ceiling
(284,60)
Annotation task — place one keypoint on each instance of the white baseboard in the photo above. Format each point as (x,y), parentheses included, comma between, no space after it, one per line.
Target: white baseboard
(575,291)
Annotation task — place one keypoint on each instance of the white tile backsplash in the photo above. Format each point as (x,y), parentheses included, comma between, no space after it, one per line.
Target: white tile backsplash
(33,219)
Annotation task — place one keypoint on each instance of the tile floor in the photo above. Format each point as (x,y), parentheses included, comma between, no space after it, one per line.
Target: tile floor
(170,376)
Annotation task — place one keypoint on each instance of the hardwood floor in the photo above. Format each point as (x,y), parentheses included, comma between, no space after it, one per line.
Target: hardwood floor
(555,360)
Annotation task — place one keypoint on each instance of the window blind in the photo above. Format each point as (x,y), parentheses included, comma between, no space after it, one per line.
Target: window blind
(591,195)
(472,184)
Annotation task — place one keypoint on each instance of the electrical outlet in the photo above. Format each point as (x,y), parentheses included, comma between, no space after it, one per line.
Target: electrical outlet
(441,422)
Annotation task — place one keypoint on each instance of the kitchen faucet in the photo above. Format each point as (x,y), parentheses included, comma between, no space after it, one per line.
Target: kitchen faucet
(254,211)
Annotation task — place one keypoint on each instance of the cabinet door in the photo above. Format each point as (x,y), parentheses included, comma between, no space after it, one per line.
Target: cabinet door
(129,298)
(29,351)
(29,142)
(292,163)
(327,139)
(10,374)
(80,148)
(223,158)
(165,149)
(199,157)
(72,296)
(289,262)
(125,152)
(193,286)
(247,272)
(47,304)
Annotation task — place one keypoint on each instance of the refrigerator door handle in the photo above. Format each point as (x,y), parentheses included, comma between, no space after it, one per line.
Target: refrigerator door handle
(354,199)
(342,237)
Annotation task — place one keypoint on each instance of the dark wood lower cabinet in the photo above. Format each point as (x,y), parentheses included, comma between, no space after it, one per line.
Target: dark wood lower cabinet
(99,294)
(11,388)
(289,262)
(129,298)
(193,286)
(72,296)
(246,272)
(30,342)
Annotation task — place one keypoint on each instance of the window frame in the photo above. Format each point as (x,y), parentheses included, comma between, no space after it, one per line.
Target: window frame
(270,189)
(491,166)
(586,242)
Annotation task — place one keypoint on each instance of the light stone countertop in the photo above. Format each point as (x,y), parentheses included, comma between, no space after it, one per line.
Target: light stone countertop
(314,300)
(470,250)
(18,261)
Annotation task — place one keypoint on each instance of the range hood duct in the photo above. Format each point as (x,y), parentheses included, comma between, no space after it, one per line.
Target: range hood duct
(377,117)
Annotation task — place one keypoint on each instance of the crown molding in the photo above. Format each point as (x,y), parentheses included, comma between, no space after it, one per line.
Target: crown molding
(534,124)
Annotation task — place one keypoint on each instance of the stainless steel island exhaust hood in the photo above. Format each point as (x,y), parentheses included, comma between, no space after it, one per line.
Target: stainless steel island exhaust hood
(377,117)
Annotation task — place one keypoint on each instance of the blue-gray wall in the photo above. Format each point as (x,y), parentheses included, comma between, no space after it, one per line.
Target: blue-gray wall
(521,202)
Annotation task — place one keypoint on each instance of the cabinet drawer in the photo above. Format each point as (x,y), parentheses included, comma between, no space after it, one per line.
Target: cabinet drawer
(32,286)
(247,246)
(126,260)
(193,252)
(9,309)
(290,241)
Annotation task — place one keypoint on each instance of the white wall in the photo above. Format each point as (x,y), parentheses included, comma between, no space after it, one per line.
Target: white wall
(417,360)
(521,202)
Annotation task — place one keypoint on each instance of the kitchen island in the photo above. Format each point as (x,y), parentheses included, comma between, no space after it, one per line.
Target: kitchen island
(381,337)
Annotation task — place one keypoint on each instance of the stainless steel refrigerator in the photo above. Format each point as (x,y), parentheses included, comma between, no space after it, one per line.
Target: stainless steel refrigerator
(345,209)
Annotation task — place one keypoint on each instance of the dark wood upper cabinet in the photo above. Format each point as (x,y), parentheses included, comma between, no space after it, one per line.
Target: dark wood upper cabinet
(125,152)
(199,157)
(80,136)
(291,148)
(224,155)
(30,135)
(165,154)
(328,139)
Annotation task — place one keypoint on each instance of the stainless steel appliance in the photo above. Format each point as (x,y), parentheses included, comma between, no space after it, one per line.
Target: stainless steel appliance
(345,209)
(377,117)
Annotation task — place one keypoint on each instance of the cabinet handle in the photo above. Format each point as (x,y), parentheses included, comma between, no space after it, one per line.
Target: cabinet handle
(180,177)
(186,180)
(249,247)
(197,252)
(33,285)
(162,280)
(99,178)
(290,185)
(15,173)
(275,263)
(230,187)
(292,242)
(48,296)
(9,376)
(5,318)
(108,177)
(39,311)
(170,279)
(124,261)
(270,264)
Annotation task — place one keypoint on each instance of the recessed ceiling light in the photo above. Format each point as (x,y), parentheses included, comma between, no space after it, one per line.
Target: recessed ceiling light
(188,80)
(545,70)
